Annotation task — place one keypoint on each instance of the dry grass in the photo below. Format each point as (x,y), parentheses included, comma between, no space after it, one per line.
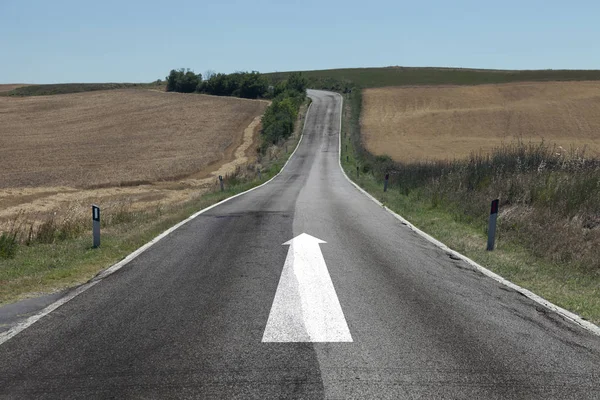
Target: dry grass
(59,154)
(446,122)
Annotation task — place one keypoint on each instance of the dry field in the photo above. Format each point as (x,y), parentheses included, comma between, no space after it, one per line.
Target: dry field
(446,122)
(138,147)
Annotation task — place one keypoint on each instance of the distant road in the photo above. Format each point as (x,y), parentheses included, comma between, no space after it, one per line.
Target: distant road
(221,308)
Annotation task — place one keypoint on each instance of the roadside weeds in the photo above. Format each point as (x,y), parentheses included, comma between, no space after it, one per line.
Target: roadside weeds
(570,285)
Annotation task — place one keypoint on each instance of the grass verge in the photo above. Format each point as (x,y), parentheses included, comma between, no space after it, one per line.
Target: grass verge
(54,260)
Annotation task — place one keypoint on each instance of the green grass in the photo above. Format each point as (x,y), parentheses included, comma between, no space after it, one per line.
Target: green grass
(64,257)
(567,284)
(345,79)
(64,88)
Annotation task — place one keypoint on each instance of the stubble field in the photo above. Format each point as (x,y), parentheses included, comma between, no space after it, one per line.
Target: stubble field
(447,122)
(142,148)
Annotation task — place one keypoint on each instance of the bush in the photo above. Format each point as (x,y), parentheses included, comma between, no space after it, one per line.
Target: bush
(253,85)
(182,80)
(280,117)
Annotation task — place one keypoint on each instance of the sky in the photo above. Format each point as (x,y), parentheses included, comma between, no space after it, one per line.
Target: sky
(142,40)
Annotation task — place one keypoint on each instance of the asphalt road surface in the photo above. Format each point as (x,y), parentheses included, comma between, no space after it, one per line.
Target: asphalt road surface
(188,318)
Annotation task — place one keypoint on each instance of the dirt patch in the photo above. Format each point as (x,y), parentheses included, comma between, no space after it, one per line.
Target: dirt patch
(137,148)
(420,123)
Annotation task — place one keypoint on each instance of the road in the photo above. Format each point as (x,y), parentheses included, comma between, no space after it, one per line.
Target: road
(188,318)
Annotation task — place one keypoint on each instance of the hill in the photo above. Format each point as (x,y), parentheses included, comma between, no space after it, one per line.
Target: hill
(341,79)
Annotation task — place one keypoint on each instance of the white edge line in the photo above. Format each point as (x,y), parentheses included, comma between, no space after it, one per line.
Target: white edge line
(5,336)
(538,299)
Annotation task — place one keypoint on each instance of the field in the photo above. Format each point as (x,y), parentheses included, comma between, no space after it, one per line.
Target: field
(136,147)
(447,122)
(347,78)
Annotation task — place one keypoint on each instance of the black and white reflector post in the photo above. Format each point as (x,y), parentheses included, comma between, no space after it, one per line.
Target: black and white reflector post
(492,226)
(96,226)
(259,175)
(385,183)
(221,180)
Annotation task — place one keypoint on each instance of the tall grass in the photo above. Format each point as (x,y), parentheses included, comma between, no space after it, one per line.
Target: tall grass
(549,197)
(549,225)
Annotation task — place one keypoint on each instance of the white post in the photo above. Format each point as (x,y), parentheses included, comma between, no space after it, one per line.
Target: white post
(96,226)
(492,225)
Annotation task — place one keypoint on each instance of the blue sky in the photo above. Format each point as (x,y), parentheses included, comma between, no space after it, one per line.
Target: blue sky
(139,41)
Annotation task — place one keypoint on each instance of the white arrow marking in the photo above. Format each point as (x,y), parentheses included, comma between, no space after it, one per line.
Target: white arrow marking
(306,308)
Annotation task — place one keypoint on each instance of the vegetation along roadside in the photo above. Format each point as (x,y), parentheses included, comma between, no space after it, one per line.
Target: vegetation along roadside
(58,254)
(549,223)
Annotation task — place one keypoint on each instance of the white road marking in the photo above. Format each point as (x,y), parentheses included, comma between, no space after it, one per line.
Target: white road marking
(306,307)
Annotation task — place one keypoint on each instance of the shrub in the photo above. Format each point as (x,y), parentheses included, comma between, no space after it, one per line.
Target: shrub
(182,80)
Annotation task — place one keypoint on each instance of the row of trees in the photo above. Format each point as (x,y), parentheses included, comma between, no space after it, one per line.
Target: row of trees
(249,85)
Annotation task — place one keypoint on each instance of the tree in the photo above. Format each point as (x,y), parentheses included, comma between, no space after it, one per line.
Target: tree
(253,85)
(209,73)
(297,82)
(183,80)
(216,85)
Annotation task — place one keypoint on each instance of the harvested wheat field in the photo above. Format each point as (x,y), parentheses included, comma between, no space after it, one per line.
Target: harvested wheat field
(141,147)
(426,123)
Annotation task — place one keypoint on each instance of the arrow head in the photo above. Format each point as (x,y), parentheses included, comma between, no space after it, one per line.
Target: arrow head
(304,238)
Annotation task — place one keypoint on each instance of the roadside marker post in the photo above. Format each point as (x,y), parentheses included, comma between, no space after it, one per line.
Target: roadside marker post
(357,173)
(221,181)
(95,226)
(385,183)
(492,225)
(259,175)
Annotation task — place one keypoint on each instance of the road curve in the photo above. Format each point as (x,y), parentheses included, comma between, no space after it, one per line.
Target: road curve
(187,318)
